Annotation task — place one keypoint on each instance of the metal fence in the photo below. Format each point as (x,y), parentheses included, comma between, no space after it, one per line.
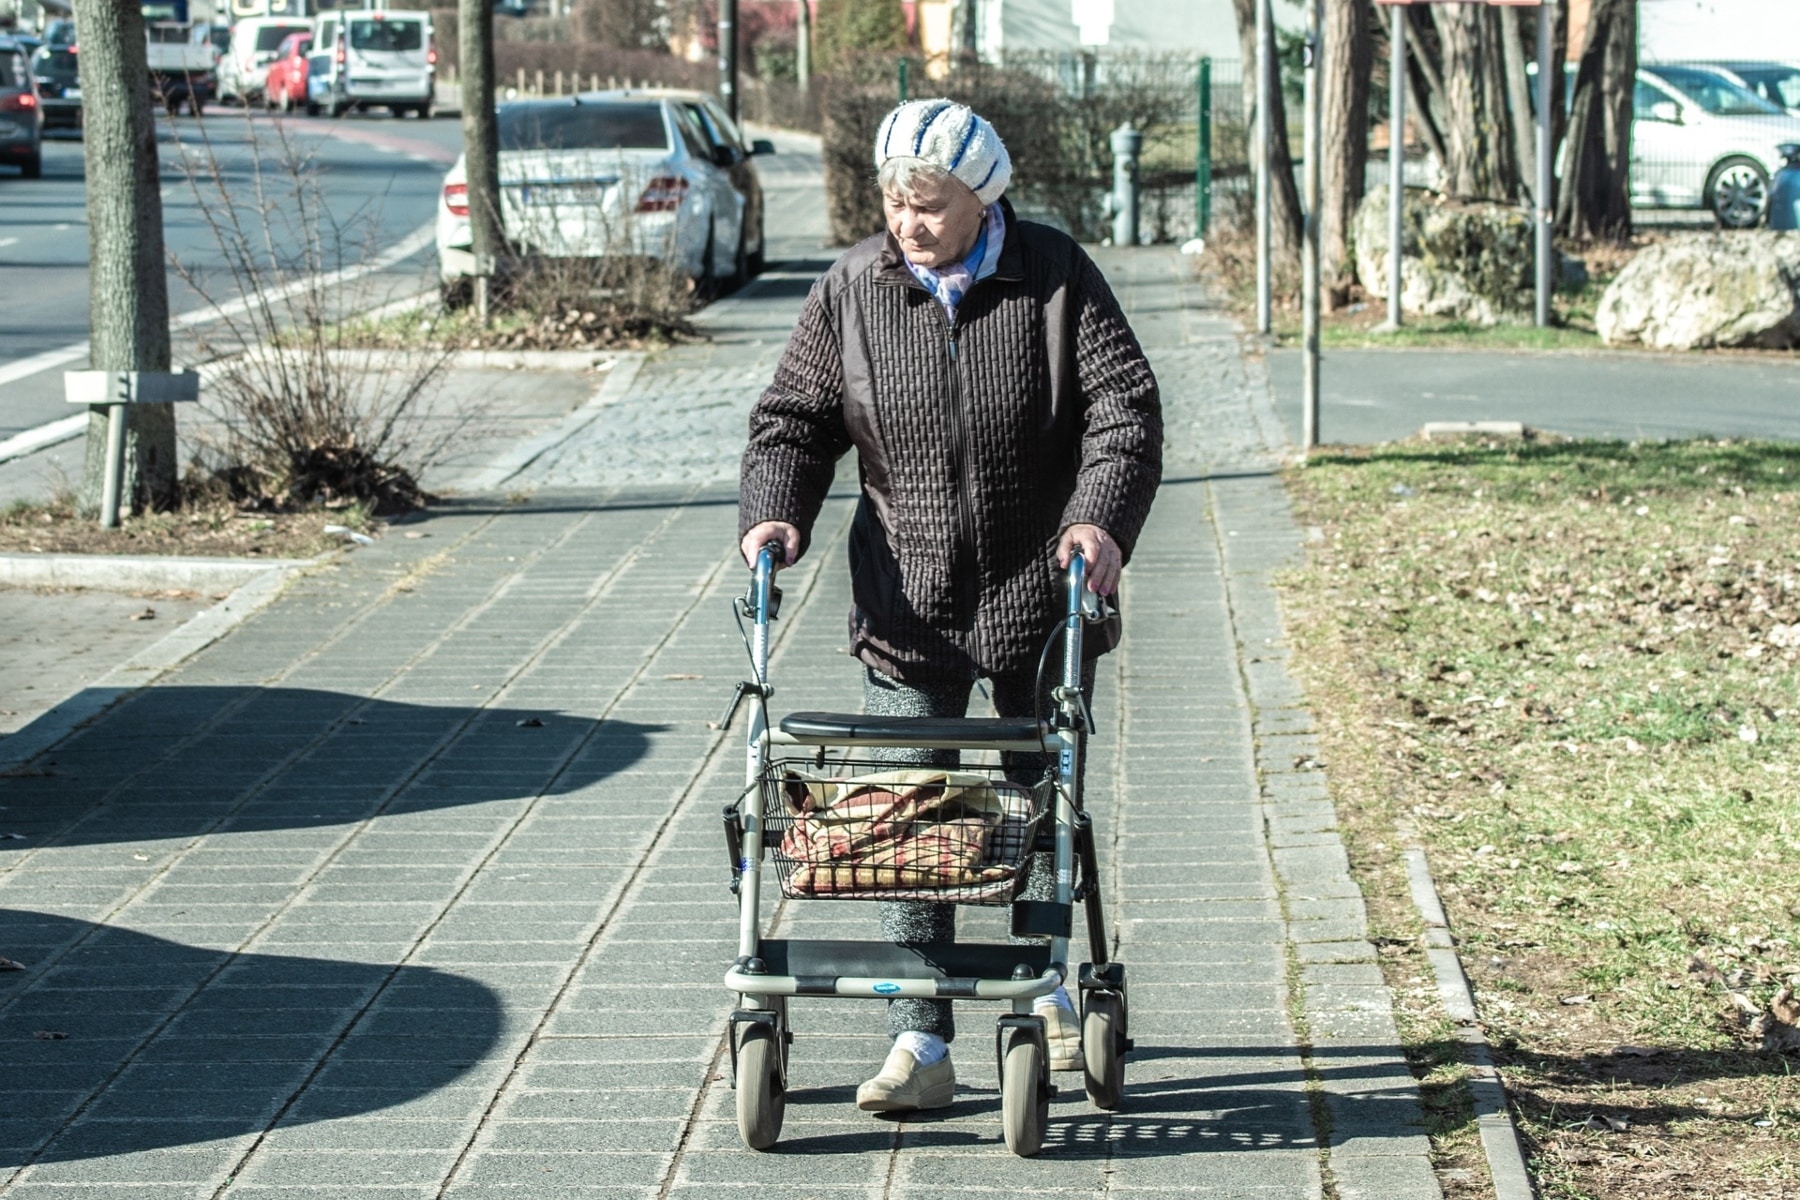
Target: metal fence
(1705,138)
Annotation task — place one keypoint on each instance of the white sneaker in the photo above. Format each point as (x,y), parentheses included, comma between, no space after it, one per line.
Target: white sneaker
(903,1085)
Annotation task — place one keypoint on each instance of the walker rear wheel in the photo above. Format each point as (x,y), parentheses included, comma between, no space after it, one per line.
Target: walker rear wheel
(761,1086)
(1024,1093)
(1100,1046)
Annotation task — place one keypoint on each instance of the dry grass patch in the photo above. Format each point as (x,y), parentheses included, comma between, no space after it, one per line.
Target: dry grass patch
(1568,669)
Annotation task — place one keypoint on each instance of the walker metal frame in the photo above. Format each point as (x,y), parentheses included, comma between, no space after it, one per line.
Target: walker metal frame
(768,971)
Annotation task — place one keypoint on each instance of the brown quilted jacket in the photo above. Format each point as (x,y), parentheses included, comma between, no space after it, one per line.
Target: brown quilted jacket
(978,444)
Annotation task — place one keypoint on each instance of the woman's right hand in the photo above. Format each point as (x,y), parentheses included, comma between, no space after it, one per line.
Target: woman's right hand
(780,532)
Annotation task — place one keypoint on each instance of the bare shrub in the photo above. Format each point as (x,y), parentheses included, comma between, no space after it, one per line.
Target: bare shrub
(296,413)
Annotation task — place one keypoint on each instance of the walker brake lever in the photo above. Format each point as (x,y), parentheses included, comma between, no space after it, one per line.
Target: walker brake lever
(744,688)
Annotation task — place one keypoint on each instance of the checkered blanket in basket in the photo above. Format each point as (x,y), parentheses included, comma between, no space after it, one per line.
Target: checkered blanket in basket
(911,829)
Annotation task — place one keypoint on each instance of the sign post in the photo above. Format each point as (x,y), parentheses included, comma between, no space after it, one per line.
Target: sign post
(1543,211)
(1309,244)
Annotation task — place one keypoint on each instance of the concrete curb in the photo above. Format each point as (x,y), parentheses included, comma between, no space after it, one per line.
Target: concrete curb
(1500,1143)
(146,573)
(142,668)
(624,373)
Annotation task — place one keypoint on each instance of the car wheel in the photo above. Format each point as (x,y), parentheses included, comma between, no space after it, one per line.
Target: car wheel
(312,110)
(704,282)
(1737,192)
(423,111)
(456,294)
(740,265)
(759,258)
(33,167)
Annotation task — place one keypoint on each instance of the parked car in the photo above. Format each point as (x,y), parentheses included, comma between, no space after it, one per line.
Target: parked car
(254,42)
(1776,82)
(1700,141)
(285,85)
(654,173)
(58,75)
(370,58)
(21,115)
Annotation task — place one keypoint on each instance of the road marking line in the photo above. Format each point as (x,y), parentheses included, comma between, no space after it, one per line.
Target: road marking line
(33,440)
(24,368)
(8,241)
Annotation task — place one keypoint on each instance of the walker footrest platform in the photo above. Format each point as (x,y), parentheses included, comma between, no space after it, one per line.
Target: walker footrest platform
(814,727)
(881,970)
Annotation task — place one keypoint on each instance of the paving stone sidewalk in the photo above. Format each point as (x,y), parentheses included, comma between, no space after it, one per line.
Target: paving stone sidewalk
(413,884)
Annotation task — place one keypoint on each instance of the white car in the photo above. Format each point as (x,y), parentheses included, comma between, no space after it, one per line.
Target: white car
(1699,140)
(361,58)
(1776,82)
(653,173)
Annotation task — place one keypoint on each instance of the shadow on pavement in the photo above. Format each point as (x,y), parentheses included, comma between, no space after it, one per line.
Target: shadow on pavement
(162,1044)
(178,762)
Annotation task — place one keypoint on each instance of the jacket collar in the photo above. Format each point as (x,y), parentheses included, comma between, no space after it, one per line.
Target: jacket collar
(1011,267)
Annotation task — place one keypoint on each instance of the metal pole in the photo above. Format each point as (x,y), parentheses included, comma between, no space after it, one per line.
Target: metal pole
(1546,207)
(1396,157)
(1127,145)
(728,57)
(803,45)
(1264,100)
(111,482)
(1309,247)
(1203,155)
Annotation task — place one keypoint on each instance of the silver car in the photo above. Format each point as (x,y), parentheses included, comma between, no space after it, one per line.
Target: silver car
(1698,140)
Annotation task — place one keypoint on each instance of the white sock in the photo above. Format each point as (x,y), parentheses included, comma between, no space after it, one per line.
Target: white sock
(1057,999)
(928,1048)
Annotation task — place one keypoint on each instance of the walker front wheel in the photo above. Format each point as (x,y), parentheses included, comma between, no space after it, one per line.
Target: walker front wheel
(1102,1047)
(761,1086)
(1024,1094)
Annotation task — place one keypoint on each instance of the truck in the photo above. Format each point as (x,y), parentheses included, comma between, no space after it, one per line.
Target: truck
(181,68)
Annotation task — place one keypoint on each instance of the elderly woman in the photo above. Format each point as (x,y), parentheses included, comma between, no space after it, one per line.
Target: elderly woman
(1003,417)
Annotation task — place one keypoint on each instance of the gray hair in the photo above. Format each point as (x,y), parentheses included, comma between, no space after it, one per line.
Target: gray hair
(902,175)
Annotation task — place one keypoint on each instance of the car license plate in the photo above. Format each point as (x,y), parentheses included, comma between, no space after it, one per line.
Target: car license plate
(72,93)
(559,193)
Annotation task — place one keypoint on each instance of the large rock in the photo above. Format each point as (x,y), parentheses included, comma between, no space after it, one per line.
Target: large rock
(1707,289)
(1468,260)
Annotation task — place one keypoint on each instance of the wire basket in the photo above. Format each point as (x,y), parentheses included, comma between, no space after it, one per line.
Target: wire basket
(958,836)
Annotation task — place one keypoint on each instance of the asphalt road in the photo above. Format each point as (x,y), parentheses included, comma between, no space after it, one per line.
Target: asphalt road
(1383,395)
(378,180)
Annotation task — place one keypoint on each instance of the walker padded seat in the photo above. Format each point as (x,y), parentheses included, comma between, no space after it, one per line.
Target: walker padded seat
(965,731)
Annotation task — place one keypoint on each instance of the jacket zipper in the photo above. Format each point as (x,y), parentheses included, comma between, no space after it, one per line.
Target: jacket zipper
(964,516)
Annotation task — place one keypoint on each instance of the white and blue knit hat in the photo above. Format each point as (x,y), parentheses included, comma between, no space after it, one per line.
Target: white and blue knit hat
(951,136)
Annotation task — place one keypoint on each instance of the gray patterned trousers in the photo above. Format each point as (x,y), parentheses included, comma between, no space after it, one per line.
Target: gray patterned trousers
(929,921)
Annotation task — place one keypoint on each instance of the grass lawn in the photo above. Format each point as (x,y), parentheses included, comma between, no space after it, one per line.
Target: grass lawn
(1568,670)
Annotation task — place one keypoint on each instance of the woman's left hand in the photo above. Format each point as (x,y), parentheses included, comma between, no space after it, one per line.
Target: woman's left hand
(1104,558)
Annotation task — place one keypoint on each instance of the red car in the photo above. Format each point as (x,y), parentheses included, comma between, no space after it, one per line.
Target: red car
(286,86)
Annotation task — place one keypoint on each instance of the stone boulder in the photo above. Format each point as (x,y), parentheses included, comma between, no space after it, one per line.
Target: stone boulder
(1473,261)
(1697,290)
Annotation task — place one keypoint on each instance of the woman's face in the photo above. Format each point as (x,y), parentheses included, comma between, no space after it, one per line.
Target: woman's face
(937,224)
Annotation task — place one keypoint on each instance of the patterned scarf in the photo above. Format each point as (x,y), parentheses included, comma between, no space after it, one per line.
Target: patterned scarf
(950,284)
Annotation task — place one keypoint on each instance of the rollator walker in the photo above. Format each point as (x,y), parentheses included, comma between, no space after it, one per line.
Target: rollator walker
(802,777)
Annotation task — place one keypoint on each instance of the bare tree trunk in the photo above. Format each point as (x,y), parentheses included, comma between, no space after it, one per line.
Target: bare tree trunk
(128,285)
(1345,75)
(481,142)
(1477,125)
(1518,95)
(1596,187)
(1284,206)
(1424,86)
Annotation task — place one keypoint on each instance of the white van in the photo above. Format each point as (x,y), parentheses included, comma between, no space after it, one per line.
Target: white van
(244,67)
(367,58)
